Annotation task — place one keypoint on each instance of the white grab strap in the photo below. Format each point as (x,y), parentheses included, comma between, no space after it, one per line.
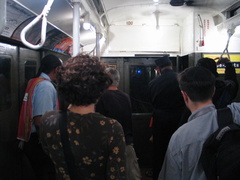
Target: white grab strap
(230,33)
(42,16)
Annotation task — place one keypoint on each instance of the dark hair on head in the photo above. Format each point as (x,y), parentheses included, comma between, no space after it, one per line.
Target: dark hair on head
(208,63)
(48,63)
(82,80)
(198,83)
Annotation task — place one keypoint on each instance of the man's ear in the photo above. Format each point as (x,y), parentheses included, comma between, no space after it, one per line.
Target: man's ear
(214,91)
(185,96)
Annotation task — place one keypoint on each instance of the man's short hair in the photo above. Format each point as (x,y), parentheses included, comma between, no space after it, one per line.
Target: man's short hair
(198,83)
(114,74)
(49,63)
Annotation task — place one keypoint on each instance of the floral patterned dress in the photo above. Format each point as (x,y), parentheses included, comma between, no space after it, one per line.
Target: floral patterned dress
(97,143)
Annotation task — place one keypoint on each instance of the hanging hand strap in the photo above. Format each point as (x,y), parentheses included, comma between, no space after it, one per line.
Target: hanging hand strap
(66,145)
(43,17)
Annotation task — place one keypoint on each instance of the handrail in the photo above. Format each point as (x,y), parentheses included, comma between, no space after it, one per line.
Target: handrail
(42,16)
(230,32)
(201,42)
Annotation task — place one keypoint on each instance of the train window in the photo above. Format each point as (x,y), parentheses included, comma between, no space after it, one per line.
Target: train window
(5,86)
(30,69)
(140,76)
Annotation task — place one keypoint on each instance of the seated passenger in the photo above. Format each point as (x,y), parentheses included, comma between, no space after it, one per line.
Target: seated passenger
(116,104)
(181,162)
(97,142)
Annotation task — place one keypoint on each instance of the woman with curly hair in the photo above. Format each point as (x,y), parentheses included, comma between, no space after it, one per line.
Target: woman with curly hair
(97,144)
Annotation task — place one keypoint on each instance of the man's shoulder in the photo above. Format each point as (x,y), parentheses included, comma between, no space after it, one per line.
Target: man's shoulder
(235,108)
(45,84)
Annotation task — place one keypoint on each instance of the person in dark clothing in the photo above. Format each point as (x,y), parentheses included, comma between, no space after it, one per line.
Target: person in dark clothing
(226,90)
(116,104)
(168,104)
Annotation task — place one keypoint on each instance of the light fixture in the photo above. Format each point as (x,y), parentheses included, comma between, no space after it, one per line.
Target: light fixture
(156,1)
(86,23)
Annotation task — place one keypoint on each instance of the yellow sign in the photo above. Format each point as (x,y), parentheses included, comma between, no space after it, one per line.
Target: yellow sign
(235,59)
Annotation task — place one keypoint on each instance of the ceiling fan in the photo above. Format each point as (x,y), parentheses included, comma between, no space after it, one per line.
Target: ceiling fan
(181,2)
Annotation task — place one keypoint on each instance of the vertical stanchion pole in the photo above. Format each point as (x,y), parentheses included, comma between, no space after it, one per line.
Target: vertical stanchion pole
(76,28)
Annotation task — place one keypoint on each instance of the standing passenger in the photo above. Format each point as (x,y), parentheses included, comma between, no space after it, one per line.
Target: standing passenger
(226,90)
(116,104)
(168,105)
(184,150)
(97,143)
(40,96)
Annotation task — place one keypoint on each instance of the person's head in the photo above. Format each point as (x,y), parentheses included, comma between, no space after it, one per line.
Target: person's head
(208,63)
(49,64)
(163,62)
(114,74)
(82,80)
(197,83)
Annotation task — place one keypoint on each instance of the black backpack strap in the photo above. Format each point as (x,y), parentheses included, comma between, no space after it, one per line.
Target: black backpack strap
(66,145)
(224,117)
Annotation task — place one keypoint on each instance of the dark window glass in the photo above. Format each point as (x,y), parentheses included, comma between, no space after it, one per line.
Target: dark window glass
(140,76)
(30,70)
(5,83)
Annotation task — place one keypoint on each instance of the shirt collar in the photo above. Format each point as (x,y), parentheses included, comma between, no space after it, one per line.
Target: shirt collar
(45,76)
(201,111)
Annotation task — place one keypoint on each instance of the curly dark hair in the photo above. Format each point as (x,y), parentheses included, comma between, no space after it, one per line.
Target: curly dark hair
(82,80)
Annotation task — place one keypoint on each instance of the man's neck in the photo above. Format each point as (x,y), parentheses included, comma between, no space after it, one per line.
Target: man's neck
(112,88)
(166,67)
(82,109)
(194,106)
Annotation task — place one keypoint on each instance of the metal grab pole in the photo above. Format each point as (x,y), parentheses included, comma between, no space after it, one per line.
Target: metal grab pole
(98,37)
(76,28)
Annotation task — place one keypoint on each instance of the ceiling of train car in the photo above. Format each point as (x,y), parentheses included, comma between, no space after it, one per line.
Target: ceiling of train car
(143,10)
(137,12)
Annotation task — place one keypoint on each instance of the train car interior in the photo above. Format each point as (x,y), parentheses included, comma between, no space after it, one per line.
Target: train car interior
(126,34)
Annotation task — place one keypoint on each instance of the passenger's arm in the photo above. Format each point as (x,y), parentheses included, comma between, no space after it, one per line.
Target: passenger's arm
(230,76)
(170,169)
(37,120)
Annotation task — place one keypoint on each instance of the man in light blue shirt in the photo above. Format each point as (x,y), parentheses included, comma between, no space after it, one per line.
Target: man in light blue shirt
(184,149)
(43,98)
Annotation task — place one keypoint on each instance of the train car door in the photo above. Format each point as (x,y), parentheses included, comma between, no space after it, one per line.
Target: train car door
(8,92)
(8,110)
(139,71)
(29,61)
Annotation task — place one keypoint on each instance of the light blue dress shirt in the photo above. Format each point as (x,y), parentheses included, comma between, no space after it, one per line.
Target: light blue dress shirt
(44,98)
(184,149)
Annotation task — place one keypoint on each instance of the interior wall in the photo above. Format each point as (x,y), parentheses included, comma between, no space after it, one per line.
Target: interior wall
(214,40)
(187,35)
(144,38)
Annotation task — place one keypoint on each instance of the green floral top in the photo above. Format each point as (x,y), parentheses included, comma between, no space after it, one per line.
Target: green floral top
(97,143)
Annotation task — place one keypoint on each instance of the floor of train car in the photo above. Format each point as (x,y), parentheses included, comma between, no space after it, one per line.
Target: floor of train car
(143,173)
